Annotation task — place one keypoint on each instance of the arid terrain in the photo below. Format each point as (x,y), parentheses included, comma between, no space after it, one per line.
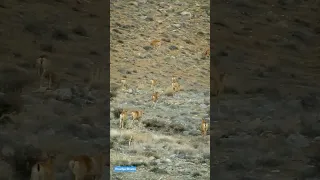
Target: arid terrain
(157,40)
(67,120)
(269,124)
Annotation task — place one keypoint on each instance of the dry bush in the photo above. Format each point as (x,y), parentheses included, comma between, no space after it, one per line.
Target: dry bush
(154,124)
(116,112)
(11,103)
(60,35)
(80,30)
(113,91)
(36,27)
(13,78)
(176,127)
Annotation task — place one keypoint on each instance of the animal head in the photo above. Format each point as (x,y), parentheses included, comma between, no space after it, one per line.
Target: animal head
(204,121)
(124,111)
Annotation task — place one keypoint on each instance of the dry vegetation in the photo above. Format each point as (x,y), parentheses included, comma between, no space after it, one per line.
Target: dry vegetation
(151,42)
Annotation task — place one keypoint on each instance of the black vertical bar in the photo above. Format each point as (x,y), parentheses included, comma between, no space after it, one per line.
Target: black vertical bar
(211,98)
(108,78)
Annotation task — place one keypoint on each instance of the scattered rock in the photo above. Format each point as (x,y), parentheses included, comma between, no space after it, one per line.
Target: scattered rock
(298,140)
(172,47)
(64,94)
(185,13)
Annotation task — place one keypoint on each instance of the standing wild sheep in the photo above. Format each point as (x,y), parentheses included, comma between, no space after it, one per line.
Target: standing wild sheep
(45,70)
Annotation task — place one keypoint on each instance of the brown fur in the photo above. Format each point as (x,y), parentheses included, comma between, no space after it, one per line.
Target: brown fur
(175,86)
(83,166)
(124,83)
(155,97)
(155,43)
(174,80)
(153,83)
(43,170)
(123,118)
(136,115)
(204,127)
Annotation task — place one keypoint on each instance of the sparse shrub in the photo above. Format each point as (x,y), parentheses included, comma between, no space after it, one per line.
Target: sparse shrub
(36,27)
(47,48)
(112,95)
(154,124)
(177,127)
(269,162)
(121,162)
(139,163)
(196,174)
(17,54)
(81,31)
(183,152)
(5,120)
(149,153)
(230,90)
(59,34)
(78,65)
(117,112)
(93,52)
(11,103)
(114,87)
(235,165)
(14,79)
(158,170)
